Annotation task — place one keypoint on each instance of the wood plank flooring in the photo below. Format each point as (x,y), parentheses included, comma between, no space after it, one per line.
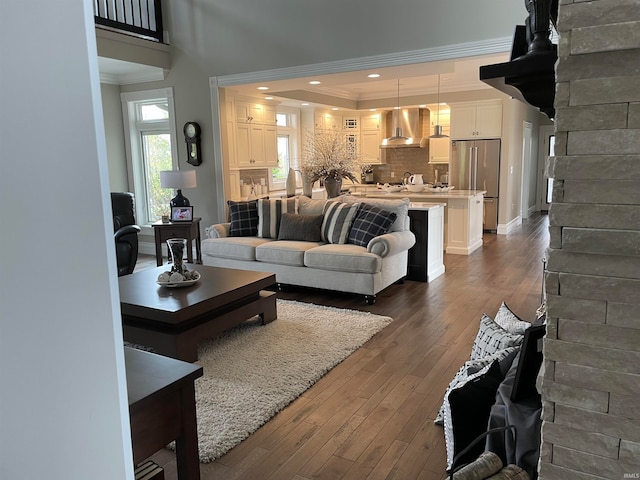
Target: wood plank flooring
(371,417)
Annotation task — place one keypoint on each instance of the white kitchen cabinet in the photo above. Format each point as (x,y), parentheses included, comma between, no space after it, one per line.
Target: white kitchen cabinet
(232,189)
(439,150)
(476,120)
(252,112)
(370,147)
(327,121)
(370,138)
(351,123)
(464,224)
(256,146)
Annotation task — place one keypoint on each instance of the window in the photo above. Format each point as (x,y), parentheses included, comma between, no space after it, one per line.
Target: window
(150,149)
(550,153)
(286,123)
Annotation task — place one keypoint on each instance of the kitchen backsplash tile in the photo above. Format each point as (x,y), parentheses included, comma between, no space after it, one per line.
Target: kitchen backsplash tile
(401,160)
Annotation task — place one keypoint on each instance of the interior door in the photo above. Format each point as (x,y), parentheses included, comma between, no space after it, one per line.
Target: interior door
(545,184)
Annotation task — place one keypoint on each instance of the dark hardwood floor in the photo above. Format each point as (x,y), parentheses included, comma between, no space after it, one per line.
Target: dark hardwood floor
(371,417)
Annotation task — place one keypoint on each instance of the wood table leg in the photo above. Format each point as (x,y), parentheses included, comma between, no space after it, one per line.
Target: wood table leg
(187,457)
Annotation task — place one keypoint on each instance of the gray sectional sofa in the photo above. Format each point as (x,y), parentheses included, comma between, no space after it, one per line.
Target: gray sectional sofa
(339,266)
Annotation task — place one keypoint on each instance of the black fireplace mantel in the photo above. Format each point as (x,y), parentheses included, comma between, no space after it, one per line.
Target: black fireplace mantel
(530,74)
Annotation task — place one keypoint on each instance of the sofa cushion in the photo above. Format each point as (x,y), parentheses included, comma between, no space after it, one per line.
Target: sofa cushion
(284,252)
(510,321)
(269,213)
(236,248)
(343,258)
(305,228)
(310,206)
(491,338)
(399,206)
(337,221)
(244,218)
(370,222)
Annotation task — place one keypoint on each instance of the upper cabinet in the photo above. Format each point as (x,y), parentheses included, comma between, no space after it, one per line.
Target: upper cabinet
(439,150)
(473,120)
(255,135)
(252,112)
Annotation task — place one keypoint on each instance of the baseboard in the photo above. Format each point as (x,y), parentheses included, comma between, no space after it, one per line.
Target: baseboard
(435,273)
(509,227)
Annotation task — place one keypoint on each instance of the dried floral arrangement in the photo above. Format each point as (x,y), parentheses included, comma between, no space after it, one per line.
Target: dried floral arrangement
(328,155)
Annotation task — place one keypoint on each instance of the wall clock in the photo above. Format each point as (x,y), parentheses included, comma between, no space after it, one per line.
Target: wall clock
(192,138)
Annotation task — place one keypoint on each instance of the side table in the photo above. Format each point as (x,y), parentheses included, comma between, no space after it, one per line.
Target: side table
(188,230)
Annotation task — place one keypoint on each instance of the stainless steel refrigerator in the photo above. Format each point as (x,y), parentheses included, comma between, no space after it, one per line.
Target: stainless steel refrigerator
(475,165)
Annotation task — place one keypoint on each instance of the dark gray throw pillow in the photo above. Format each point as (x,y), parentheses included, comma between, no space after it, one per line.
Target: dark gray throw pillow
(294,226)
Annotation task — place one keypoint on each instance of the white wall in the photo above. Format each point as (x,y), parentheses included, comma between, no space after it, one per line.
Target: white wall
(114,136)
(63,407)
(234,36)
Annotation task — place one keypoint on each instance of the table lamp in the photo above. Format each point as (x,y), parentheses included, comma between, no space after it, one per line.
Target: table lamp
(178,179)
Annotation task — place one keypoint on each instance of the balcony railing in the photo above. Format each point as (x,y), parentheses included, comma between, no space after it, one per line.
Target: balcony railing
(139,17)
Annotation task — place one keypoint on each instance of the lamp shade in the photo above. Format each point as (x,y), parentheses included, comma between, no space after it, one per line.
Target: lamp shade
(178,179)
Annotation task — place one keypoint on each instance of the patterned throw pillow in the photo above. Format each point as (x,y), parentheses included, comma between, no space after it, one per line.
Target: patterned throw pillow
(244,218)
(510,321)
(491,338)
(269,213)
(337,221)
(369,223)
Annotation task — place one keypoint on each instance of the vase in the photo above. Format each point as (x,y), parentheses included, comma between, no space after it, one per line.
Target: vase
(291,183)
(332,186)
(177,247)
(307,186)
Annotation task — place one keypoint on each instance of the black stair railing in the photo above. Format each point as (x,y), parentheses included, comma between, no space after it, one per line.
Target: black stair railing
(139,17)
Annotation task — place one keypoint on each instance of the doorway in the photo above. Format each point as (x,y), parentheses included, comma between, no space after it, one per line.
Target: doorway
(528,173)
(546,150)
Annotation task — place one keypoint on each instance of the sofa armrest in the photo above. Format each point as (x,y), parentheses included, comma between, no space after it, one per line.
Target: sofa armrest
(391,243)
(219,230)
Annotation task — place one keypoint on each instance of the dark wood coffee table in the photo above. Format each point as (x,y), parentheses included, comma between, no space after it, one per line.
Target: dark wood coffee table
(173,320)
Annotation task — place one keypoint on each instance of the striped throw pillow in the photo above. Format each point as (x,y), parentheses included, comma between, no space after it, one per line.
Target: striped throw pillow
(337,221)
(269,213)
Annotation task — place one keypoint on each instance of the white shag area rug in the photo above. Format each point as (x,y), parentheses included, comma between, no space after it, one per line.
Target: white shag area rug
(253,371)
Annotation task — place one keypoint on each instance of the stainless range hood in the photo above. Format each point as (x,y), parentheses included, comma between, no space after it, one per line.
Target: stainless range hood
(403,128)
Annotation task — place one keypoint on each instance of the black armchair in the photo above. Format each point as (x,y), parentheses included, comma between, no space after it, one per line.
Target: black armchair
(125,231)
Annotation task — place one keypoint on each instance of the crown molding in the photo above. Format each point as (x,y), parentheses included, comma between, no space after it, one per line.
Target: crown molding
(447,52)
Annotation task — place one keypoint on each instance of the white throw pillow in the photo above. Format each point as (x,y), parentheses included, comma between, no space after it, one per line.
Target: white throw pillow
(510,321)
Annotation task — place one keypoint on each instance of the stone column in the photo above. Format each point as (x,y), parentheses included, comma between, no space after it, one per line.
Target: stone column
(591,386)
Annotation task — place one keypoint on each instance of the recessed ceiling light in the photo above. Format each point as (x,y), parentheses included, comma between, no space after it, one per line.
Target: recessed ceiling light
(373,75)
(263,88)
(372,109)
(315,82)
(304,104)
(268,98)
(335,108)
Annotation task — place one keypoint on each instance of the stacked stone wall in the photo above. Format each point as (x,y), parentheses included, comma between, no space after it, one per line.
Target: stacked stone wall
(591,386)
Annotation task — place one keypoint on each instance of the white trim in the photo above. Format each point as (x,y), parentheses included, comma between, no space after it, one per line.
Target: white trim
(509,227)
(464,250)
(217,150)
(446,52)
(150,74)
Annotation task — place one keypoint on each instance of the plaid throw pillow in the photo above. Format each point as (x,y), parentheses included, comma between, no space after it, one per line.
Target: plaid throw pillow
(270,213)
(337,221)
(244,218)
(369,223)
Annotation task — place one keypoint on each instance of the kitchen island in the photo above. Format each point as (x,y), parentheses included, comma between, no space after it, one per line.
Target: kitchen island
(462,216)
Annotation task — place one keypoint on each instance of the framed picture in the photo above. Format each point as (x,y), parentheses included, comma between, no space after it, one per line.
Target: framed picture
(181,214)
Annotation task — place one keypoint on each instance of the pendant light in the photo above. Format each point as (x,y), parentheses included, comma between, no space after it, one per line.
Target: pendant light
(437,130)
(397,131)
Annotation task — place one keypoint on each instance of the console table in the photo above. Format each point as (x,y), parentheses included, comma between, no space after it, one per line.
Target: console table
(188,230)
(162,408)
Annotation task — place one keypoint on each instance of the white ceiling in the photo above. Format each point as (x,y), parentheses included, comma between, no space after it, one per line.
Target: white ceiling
(417,79)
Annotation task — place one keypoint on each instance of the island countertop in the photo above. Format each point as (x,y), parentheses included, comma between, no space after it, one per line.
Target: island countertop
(419,197)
